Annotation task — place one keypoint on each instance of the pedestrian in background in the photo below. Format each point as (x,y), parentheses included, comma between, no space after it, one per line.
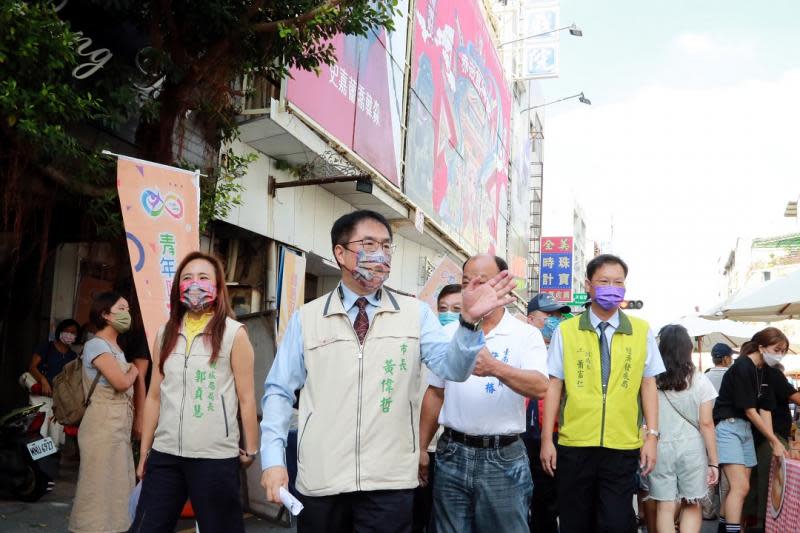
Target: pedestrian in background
(744,399)
(202,379)
(545,314)
(782,394)
(106,475)
(448,305)
(687,461)
(714,503)
(50,357)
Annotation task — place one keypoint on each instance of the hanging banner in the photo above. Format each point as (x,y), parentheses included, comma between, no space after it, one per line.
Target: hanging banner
(446,273)
(291,288)
(161,212)
(556,268)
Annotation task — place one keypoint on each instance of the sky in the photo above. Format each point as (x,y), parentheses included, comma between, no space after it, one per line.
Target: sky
(691,139)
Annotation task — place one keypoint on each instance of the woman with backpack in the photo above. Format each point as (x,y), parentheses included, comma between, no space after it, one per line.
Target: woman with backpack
(50,357)
(106,475)
(202,378)
(687,449)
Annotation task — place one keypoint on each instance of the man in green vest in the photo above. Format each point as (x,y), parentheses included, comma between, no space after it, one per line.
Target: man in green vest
(602,364)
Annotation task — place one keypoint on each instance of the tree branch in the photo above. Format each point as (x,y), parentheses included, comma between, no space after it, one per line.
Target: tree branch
(74,185)
(270,27)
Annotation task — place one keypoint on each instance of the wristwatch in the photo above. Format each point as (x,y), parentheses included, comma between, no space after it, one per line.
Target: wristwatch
(472,327)
(653,432)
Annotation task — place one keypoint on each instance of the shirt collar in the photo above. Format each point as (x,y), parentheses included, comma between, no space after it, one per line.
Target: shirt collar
(613,321)
(349,298)
(504,327)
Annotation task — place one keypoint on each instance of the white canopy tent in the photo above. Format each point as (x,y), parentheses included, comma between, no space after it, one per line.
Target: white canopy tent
(777,300)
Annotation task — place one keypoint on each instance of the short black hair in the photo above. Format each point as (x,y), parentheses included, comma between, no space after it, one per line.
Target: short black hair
(64,324)
(102,303)
(345,225)
(447,290)
(605,259)
(499,261)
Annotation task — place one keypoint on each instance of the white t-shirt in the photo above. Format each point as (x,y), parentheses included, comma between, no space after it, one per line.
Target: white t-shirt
(485,406)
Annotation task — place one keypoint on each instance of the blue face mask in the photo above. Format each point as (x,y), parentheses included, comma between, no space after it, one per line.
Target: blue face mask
(550,325)
(448,317)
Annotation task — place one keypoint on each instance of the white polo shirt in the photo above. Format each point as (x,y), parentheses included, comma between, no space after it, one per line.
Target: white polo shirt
(485,406)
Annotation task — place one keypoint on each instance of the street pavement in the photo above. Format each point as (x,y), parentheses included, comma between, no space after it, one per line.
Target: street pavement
(51,513)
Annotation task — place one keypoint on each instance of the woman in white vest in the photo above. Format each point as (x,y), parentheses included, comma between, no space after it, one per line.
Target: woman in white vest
(202,379)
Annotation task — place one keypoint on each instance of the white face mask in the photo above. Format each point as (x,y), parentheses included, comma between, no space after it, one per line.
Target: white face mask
(772,359)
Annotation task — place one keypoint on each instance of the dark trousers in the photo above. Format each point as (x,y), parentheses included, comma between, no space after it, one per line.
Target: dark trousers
(595,489)
(544,503)
(376,511)
(423,500)
(212,485)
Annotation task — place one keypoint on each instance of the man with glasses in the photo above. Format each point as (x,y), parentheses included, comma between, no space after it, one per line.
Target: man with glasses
(356,353)
(604,364)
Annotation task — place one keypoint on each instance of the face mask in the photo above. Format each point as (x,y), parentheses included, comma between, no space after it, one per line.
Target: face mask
(772,359)
(372,269)
(120,321)
(446,317)
(198,295)
(67,338)
(608,297)
(550,325)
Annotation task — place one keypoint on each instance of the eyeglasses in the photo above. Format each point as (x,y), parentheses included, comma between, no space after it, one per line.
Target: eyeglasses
(371,245)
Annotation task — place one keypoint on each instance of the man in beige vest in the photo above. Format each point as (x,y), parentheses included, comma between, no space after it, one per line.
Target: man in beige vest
(356,353)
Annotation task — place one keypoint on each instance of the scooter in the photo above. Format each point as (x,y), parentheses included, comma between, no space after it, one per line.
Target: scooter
(28,462)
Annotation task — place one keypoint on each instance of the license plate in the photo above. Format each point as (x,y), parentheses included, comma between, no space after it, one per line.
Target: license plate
(41,448)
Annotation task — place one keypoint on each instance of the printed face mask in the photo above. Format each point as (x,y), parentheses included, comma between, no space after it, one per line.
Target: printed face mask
(198,295)
(550,325)
(67,338)
(609,297)
(372,269)
(120,321)
(772,359)
(446,317)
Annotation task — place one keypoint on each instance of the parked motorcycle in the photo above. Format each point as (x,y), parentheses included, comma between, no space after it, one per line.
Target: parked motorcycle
(28,462)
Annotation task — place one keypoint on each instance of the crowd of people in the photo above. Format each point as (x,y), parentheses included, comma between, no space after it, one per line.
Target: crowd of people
(463,418)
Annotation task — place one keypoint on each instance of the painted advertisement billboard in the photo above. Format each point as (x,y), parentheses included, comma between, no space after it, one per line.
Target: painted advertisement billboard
(359,99)
(458,122)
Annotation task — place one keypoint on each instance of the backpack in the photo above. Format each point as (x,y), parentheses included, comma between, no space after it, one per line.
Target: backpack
(69,402)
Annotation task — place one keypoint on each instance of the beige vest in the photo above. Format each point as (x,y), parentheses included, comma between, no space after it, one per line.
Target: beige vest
(199,406)
(359,408)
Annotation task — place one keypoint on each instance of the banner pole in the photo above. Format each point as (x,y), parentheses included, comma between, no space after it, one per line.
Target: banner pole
(112,154)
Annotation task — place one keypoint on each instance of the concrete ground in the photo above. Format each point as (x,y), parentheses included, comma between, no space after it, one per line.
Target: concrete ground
(51,513)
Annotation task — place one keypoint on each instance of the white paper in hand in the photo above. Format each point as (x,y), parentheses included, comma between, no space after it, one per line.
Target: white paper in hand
(290,502)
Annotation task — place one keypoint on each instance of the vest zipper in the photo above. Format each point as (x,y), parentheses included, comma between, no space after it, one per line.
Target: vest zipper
(302,433)
(603,418)
(183,396)
(413,433)
(224,414)
(360,393)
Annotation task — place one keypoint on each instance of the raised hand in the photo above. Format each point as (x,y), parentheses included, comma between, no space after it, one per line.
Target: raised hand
(480,299)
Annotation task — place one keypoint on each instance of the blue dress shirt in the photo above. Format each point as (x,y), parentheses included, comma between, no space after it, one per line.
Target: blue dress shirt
(445,357)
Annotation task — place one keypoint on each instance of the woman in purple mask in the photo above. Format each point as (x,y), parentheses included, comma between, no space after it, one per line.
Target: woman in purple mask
(190,437)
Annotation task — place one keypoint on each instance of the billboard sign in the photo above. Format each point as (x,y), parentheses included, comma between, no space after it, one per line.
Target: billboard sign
(556,267)
(358,100)
(458,122)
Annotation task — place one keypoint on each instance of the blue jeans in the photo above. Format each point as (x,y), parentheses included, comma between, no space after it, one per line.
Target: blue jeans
(477,490)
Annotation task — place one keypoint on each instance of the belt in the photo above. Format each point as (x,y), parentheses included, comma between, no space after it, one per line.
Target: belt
(481,441)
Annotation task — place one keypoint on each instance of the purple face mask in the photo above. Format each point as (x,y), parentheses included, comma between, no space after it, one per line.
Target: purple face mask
(608,297)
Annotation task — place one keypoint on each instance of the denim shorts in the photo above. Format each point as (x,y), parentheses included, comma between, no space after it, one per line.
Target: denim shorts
(735,442)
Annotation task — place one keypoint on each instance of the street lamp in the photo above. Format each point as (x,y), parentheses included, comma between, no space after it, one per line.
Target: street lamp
(573,30)
(581,98)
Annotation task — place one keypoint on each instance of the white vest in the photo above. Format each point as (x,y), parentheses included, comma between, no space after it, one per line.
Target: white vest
(199,405)
(359,408)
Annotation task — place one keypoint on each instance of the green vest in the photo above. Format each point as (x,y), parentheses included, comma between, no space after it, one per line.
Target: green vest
(588,417)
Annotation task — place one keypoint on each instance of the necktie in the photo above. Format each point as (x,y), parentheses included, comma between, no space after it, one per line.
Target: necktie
(605,355)
(361,325)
